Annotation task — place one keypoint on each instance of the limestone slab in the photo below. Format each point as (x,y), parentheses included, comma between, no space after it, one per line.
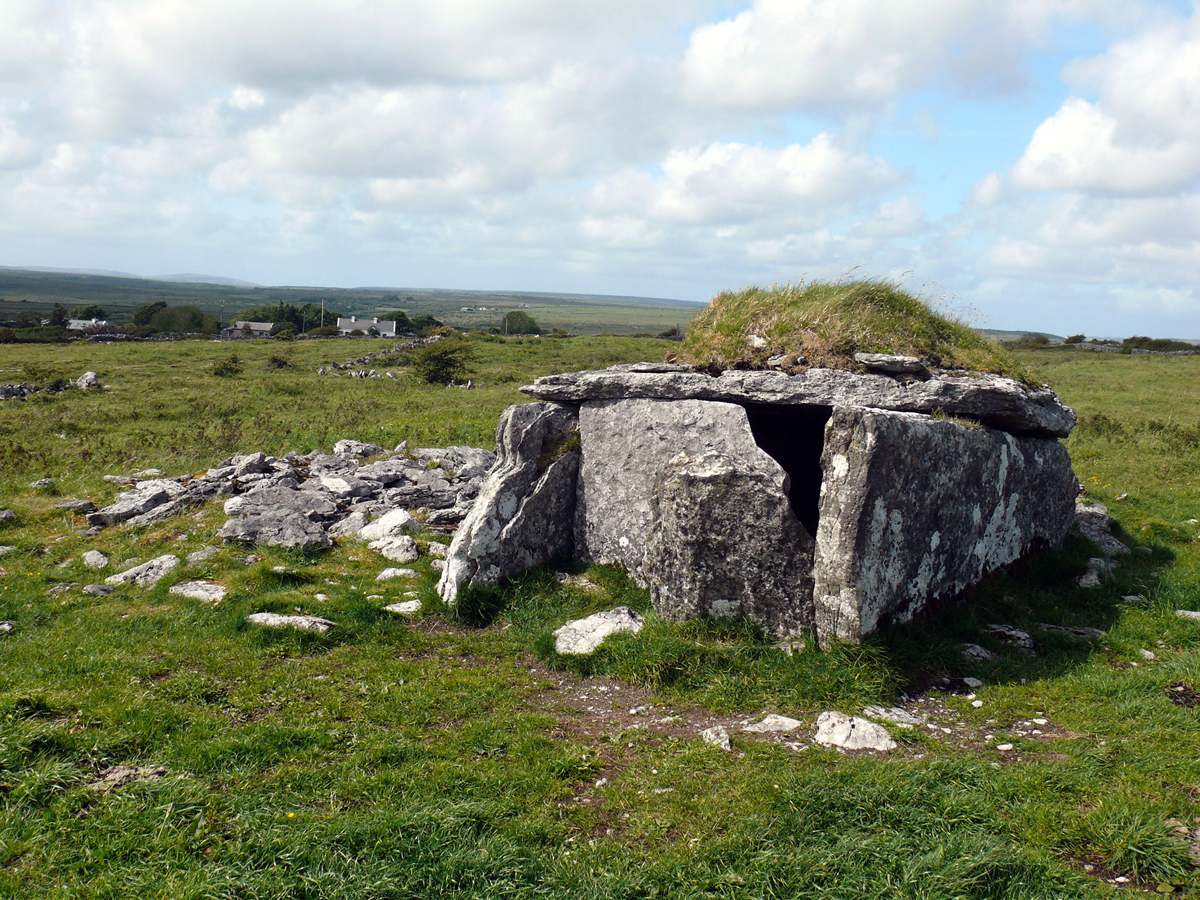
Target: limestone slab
(992,399)
(724,542)
(913,508)
(626,444)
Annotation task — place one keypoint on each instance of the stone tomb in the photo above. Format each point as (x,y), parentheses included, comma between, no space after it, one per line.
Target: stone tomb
(830,500)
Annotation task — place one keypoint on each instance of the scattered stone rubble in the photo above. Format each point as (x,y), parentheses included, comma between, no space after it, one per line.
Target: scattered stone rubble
(826,500)
(304,501)
(84,382)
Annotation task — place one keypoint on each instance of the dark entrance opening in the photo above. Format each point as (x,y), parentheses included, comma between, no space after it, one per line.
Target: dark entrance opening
(794,438)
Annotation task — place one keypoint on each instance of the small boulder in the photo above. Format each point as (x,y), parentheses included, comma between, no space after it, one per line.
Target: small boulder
(349,526)
(404,607)
(201,555)
(401,549)
(389,574)
(207,591)
(97,590)
(835,729)
(44,484)
(6,516)
(1190,614)
(81,506)
(277,528)
(94,559)
(300,623)
(393,524)
(1098,571)
(583,636)
(147,573)
(7,627)
(1019,639)
(87,380)
(976,652)
(357,449)
(717,736)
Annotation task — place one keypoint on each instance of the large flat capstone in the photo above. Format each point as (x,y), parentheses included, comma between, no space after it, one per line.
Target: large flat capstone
(992,399)
(913,508)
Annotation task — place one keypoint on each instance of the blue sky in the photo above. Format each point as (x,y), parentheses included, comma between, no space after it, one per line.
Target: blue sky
(1033,163)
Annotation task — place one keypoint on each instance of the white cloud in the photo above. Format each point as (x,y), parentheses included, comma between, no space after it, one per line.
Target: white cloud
(838,54)
(724,183)
(1142,135)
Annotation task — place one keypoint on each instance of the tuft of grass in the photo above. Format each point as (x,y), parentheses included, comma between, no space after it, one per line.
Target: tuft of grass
(825,323)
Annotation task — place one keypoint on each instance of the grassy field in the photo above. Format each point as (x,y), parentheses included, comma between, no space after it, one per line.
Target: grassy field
(24,291)
(455,755)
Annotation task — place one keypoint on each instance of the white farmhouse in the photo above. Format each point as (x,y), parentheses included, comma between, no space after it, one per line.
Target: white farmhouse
(353,323)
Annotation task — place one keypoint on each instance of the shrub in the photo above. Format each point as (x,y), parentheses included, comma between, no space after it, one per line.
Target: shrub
(7,336)
(285,334)
(278,361)
(228,367)
(518,322)
(827,323)
(443,361)
(1075,339)
(325,331)
(90,311)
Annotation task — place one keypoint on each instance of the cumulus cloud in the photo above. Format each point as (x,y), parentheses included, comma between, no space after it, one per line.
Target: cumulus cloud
(1141,136)
(839,54)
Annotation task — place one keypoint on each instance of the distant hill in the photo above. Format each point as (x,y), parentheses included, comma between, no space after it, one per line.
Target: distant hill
(204,279)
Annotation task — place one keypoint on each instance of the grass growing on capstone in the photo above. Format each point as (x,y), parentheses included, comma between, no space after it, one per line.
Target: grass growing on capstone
(826,323)
(453,754)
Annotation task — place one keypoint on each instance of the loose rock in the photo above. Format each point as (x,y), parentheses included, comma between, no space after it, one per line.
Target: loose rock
(583,636)
(94,559)
(300,623)
(6,516)
(97,590)
(835,729)
(773,723)
(397,523)
(401,549)
(404,607)
(1019,639)
(389,574)
(201,555)
(717,736)
(207,591)
(146,574)
(1188,614)
(7,627)
(976,652)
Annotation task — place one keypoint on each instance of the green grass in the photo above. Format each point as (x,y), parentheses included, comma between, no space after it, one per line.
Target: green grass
(454,755)
(828,322)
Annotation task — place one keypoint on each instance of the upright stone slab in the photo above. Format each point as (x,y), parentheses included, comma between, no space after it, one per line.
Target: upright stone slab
(724,542)
(913,508)
(626,444)
(525,510)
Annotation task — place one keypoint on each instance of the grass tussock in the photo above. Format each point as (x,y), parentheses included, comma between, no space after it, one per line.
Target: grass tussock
(825,323)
